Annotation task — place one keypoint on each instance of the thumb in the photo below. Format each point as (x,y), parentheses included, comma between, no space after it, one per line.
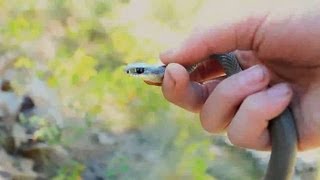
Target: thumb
(238,34)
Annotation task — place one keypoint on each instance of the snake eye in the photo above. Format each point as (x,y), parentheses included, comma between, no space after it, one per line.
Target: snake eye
(139,70)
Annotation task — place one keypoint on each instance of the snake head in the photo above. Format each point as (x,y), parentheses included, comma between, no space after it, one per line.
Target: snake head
(150,73)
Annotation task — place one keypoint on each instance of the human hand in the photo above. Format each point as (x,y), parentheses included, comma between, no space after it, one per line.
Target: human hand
(281,57)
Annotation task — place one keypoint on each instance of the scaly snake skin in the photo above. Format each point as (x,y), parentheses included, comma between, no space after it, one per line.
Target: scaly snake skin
(282,129)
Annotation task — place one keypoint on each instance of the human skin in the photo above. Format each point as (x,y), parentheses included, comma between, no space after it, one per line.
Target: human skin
(280,53)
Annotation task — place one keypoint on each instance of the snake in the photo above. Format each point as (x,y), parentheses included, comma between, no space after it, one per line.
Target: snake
(283,132)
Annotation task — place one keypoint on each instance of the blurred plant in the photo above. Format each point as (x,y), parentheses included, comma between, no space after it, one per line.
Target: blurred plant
(24,62)
(90,42)
(42,129)
(71,171)
(119,166)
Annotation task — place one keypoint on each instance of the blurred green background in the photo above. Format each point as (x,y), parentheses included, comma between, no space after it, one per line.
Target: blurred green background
(78,50)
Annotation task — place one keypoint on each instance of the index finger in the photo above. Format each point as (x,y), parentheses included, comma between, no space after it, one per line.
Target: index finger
(222,38)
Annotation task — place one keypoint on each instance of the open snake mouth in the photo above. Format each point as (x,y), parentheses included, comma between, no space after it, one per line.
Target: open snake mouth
(152,83)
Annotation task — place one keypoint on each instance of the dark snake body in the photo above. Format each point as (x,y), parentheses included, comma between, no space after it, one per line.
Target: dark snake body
(282,129)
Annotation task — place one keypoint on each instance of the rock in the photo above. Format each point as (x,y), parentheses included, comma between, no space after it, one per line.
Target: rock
(104,139)
(44,155)
(17,138)
(6,86)
(19,135)
(94,170)
(16,167)
(27,105)
(6,140)
(46,101)
(9,107)
(5,175)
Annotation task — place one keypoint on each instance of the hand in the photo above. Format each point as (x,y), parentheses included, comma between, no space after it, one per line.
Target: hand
(280,53)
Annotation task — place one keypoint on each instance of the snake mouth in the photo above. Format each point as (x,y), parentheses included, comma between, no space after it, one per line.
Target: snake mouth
(153,83)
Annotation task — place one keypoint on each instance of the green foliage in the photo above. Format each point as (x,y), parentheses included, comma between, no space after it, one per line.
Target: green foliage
(194,155)
(71,171)
(23,29)
(119,166)
(79,69)
(44,130)
(24,62)
(91,42)
(50,134)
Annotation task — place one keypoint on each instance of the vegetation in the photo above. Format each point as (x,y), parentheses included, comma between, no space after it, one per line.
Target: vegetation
(78,50)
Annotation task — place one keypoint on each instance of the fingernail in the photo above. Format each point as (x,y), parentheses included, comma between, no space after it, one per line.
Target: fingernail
(279,90)
(254,74)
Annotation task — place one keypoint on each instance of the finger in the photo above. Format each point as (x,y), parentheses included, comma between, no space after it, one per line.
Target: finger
(223,102)
(225,37)
(248,128)
(178,89)
(247,58)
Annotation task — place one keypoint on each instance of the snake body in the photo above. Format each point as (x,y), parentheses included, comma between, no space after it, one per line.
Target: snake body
(282,128)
